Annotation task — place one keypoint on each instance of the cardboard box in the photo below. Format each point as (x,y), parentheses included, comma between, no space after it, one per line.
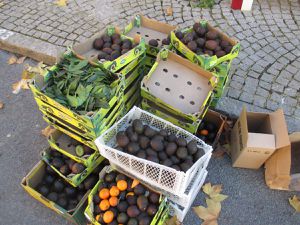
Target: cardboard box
(205,61)
(256,136)
(142,27)
(89,211)
(283,167)
(31,181)
(85,50)
(179,86)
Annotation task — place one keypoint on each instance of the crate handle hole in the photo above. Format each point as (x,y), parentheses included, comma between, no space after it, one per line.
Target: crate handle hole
(138,32)
(167,89)
(189,83)
(175,75)
(157,83)
(158,39)
(199,88)
(146,35)
(181,96)
(165,70)
(192,102)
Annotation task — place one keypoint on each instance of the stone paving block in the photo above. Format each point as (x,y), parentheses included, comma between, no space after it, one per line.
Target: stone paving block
(246,97)
(259,101)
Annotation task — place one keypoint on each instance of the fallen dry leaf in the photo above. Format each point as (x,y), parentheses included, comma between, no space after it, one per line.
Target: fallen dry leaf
(295,202)
(172,221)
(210,214)
(22,84)
(48,131)
(214,192)
(169,11)
(21,60)
(12,60)
(40,68)
(1,105)
(1,4)
(61,2)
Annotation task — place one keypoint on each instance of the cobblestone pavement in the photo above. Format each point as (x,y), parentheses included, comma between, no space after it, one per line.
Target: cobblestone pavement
(266,73)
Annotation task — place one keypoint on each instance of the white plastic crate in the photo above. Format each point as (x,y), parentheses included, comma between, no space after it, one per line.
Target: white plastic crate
(181,211)
(160,176)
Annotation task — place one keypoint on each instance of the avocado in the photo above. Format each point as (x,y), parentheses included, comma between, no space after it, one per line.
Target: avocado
(192,45)
(181,142)
(172,138)
(96,199)
(70,163)
(211,45)
(97,209)
(174,159)
(179,35)
(171,148)
(152,158)
(167,162)
(57,162)
(209,52)
(198,154)
(77,168)
(132,221)
(146,220)
(228,49)
(166,41)
(122,206)
(107,50)
(220,53)
(115,54)
(176,167)
(90,182)
(139,189)
(153,43)
(125,50)
(200,42)
(142,203)
(138,126)
(133,147)
(142,154)
(88,150)
(52,196)
(144,141)
(134,137)
(65,170)
(192,147)
(122,218)
(152,210)
(133,211)
(49,179)
(157,144)
(162,156)
(129,130)
(181,153)
(58,186)
(185,166)
(110,177)
(98,43)
(106,45)
(127,44)
(44,190)
(117,41)
(151,152)
(120,177)
(200,31)
(70,191)
(115,36)
(122,139)
(149,132)
(212,35)
(153,197)
(63,202)
(106,38)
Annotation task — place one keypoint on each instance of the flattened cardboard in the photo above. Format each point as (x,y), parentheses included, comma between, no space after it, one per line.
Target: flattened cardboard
(251,136)
(180,83)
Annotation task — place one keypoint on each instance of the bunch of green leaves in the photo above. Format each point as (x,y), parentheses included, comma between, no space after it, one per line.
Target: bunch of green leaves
(205,3)
(79,85)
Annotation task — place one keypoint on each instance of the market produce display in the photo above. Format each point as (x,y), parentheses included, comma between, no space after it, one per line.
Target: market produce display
(112,47)
(158,146)
(207,131)
(54,188)
(122,200)
(201,40)
(79,85)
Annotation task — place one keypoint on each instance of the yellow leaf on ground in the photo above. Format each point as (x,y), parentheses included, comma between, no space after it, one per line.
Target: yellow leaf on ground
(22,84)
(210,222)
(40,68)
(169,11)
(213,207)
(204,214)
(48,131)
(219,197)
(61,2)
(12,60)
(295,202)
(1,105)
(214,192)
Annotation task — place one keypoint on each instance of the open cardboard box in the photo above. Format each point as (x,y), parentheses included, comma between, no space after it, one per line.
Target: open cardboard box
(85,50)
(178,85)
(148,29)
(283,167)
(256,136)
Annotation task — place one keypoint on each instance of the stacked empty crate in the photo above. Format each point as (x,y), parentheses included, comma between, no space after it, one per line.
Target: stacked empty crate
(217,61)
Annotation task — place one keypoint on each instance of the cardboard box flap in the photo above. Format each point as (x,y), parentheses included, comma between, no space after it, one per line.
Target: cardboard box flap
(243,126)
(295,153)
(263,141)
(279,128)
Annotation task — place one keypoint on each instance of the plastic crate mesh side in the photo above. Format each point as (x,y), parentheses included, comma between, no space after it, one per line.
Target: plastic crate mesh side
(152,172)
(138,166)
(123,160)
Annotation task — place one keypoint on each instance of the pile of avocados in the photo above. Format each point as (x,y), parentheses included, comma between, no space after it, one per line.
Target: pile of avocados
(156,42)
(112,47)
(79,148)
(207,131)
(158,146)
(65,164)
(201,41)
(122,200)
(63,194)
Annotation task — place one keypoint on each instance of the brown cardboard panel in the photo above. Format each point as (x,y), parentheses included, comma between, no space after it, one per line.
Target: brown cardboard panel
(265,141)
(151,29)
(279,128)
(295,153)
(178,85)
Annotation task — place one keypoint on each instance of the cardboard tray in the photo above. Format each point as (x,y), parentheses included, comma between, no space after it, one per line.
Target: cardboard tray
(33,178)
(89,211)
(73,179)
(60,141)
(178,85)
(142,27)
(88,121)
(85,50)
(205,61)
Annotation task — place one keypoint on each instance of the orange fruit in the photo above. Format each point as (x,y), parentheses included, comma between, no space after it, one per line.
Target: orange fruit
(135,182)
(114,191)
(108,216)
(122,185)
(98,217)
(204,132)
(113,201)
(104,193)
(104,205)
